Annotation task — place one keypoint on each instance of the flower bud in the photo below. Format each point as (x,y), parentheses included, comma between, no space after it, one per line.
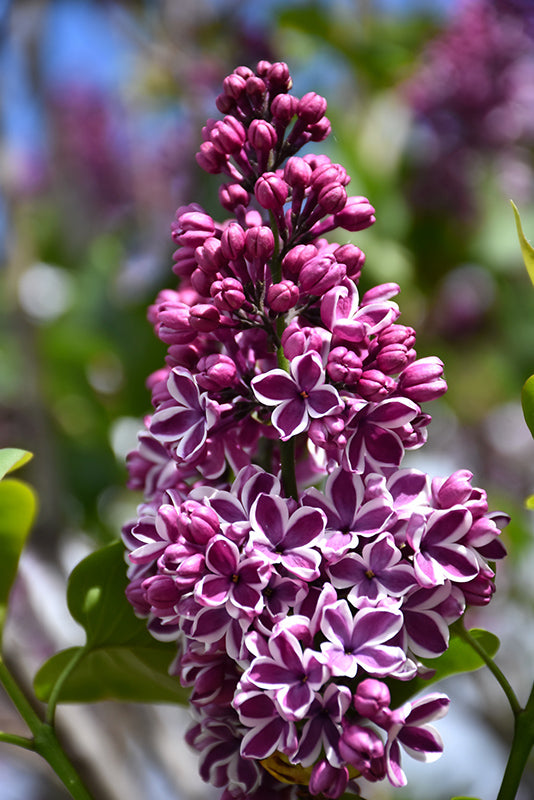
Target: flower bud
(297,340)
(261,135)
(320,274)
(332,198)
(271,192)
(204,317)
(210,159)
(259,242)
(374,385)
(228,294)
(284,108)
(423,380)
(327,173)
(216,372)
(278,78)
(353,258)
(311,108)
(357,215)
(282,296)
(192,227)
(297,172)
(328,781)
(233,241)
(209,255)
(234,85)
(162,593)
(228,136)
(371,697)
(196,522)
(295,259)
(320,130)
(360,747)
(344,366)
(232,195)
(224,103)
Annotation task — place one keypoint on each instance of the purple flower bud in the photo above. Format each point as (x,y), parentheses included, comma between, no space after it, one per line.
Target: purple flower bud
(201,282)
(136,596)
(192,227)
(283,109)
(311,108)
(261,135)
(228,136)
(162,593)
(353,258)
(278,78)
(232,195)
(259,242)
(423,380)
(320,130)
(295,259)
(371,697)
(234,85)
(332,198)
(209,255)
(327,173)
(357,215)
(327,780)
(479,590)
(233,241)
(184,261)
(320,274)
(255,88)
(384,291)
(210,159)
(282,296)
(228,294)
(263,67)
(360,747)
(216,372)
(271,191)
(244,72)
(344,366)
(297,340)
(374,385)
(297,172)
(224,103)
(204,317)
(456,489)
(197,523)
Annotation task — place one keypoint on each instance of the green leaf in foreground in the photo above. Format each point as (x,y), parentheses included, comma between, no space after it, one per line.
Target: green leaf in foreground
(17,511)
(527,250)
(527,402)
(12,458)
(459,657)
(120,660)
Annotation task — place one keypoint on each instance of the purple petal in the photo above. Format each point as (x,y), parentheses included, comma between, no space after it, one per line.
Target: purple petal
(305,525)
(183,388)
(290,418)
(222,556)
(274,387)
(308,371)
(323,401)
(270,515)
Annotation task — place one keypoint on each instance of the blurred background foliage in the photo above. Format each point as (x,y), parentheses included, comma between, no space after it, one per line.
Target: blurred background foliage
(101,106)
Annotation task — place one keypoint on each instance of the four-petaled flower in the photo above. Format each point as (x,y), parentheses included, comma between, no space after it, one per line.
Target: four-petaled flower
(297,396)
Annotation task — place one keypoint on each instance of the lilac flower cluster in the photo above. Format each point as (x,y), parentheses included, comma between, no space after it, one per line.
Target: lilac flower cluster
(295,609)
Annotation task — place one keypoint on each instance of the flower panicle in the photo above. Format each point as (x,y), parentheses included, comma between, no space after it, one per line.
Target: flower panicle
(294,616)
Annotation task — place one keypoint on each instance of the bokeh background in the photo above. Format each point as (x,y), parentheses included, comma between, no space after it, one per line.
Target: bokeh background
(101,106)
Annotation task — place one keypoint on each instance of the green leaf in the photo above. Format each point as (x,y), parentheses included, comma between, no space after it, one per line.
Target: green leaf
(120,659)
(527,401)
(529,502)
(17,511)
(12,458)
(459,657)
(527,250)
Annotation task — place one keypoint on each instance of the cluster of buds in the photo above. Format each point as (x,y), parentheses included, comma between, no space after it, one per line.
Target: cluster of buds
(296,610)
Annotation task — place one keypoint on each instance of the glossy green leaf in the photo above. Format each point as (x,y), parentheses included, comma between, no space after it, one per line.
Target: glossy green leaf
(17,511)
(120,659)
(529,502)
(527,250)
(459,657)
(527,401)
(12,458)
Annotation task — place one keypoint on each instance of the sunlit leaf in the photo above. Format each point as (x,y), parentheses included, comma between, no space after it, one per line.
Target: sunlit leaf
(120,659)
(526,248)
(529,502)
(17,512)
(12,458)
(459,657)
(527,401)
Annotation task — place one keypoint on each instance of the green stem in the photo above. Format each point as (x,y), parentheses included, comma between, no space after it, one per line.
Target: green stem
(492,666)
(287,462)
(54,695)
(522,743)
(19,741)
(44,741)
